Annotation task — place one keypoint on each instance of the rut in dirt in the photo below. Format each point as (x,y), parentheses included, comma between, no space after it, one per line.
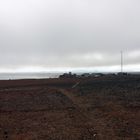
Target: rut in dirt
(82,115)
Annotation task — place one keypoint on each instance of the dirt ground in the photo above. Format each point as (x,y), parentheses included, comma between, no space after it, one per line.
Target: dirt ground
(105,108)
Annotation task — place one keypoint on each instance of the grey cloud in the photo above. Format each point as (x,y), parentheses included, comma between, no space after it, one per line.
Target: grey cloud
(62,33)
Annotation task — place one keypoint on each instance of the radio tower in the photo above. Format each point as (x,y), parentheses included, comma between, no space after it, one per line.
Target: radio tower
(121,61)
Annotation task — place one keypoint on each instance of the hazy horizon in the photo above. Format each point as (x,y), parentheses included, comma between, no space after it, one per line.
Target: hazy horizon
(62,35)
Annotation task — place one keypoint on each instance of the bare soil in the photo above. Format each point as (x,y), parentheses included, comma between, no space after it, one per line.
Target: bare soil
(105,108)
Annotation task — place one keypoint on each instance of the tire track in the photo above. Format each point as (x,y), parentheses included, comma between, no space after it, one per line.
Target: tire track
(82,115)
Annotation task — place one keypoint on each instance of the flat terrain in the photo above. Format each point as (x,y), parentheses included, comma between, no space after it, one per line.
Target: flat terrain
(104,108)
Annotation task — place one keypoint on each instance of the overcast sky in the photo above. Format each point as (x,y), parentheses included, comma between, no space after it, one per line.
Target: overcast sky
(43,35)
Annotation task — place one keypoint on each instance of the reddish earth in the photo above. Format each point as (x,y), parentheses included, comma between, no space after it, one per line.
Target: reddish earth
(105,108)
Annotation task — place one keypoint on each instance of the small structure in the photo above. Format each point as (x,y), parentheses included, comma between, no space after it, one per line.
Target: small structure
(68,75)
(97,74)
(86,75)
(122,74)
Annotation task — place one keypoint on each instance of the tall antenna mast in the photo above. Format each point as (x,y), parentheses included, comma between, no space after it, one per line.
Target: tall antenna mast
(121,61)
